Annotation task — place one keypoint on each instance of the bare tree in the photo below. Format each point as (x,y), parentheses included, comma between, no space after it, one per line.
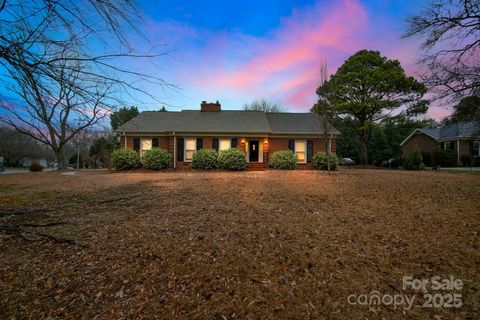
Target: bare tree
(57,109)
(264,105)
(61,83)
(450,34)
(324,109)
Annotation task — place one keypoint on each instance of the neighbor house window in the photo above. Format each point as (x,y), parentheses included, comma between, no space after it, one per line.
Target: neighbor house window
(190,147)
(146,144)
(301,150)
(225,144)
(476,149)
(447,145)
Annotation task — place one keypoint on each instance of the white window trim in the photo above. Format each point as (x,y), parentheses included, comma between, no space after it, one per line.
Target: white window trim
(142,140)
(305,150)
(445,145)
(229,142)
(185,148)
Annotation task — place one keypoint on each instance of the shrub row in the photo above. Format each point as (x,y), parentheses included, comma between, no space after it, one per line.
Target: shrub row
(288,160)
(413,161)
(158,159)
(208,159)
(417,160)
(153,159)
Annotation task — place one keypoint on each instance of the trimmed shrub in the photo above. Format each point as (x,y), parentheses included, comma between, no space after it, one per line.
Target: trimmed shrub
(466,160)
(321,158)
(283,160)
(156,159)
(444,158)
(125,159)
(35,167)
(413,161)
(427,158)
(232,159)
(205,159)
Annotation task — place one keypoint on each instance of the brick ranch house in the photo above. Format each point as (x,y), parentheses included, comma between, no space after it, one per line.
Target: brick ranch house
(257,134)
(462,137)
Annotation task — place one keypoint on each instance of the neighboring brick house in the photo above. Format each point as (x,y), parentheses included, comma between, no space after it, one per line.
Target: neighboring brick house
(256,133)
(462,137)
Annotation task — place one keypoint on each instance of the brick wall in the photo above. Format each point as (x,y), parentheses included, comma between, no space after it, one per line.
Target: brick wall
(420,141)
(270,146)
(163,141)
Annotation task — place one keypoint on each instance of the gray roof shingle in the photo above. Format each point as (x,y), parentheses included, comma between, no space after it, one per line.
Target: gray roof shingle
(297,123)
(227,121)
(459,130)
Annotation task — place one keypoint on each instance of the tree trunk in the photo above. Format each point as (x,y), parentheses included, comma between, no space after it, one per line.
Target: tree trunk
(61,163)
(364,139)
(364,153)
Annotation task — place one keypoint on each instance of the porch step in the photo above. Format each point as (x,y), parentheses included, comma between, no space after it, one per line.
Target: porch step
(255,166)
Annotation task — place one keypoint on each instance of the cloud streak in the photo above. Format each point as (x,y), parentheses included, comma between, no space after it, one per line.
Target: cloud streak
(283,64)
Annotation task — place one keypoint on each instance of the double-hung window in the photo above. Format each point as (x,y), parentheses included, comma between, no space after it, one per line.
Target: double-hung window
(146,144)
(476,149)
(190,148)
(224,144)
(301,150)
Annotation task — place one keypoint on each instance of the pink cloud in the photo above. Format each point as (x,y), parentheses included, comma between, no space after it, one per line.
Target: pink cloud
(291,56)
(282,65)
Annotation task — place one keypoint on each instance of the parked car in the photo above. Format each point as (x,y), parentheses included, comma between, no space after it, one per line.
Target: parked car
(347,161)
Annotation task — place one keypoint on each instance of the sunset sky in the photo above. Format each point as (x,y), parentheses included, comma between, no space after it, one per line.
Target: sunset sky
(235,52)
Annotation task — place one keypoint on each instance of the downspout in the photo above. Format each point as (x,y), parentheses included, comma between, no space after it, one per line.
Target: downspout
(174,150)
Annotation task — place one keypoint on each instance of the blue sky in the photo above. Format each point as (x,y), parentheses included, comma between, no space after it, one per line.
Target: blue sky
(235,51)
(238,51)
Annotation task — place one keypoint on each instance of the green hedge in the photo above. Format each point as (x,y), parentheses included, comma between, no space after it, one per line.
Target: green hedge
(320,161)
(232,159)
(413,161)
(156,159)
(283,160)
(205,159)
(125,159)
(445,158)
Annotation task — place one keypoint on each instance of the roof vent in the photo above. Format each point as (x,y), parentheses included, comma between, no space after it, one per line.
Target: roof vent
(210,107)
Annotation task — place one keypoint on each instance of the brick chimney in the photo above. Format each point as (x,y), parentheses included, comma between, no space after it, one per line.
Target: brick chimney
(210,107)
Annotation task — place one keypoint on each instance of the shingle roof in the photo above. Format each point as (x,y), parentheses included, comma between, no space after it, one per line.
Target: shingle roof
(297,123)
(464,129)
(225,121)
(432,132)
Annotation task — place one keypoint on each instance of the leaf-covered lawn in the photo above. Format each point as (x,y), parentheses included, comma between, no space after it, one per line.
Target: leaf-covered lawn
(251,245)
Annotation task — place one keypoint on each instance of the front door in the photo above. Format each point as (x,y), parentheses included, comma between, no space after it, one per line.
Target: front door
(253,151)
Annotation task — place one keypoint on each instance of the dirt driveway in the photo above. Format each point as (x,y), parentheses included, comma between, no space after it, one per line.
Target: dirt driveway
(251,245)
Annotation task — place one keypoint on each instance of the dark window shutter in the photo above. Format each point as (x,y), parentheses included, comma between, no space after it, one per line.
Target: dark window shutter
(291,145)
(180,149)
(199,143)
(215,144)
(309,150)
(136,144)
(155,143)
(233,143)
